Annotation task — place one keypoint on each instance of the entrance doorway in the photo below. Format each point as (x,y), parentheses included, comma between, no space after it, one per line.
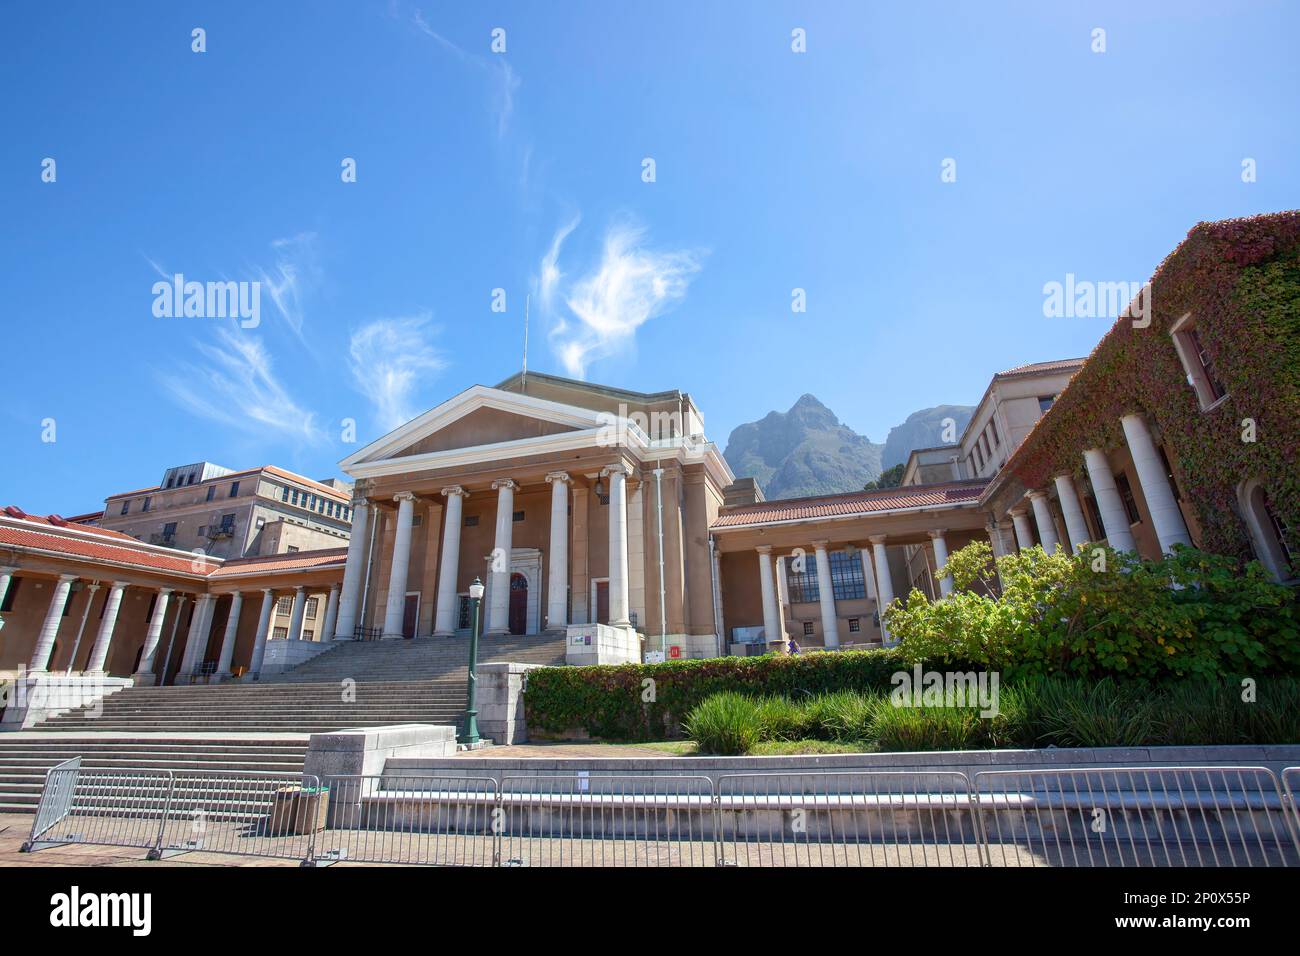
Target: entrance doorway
(602,602)
(410,615)
(518,604)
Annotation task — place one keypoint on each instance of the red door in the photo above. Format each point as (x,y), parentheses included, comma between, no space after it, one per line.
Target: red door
(518,604)
(410,614)
(602,602)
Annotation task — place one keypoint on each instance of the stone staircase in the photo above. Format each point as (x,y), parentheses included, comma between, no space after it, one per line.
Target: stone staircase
(264,725)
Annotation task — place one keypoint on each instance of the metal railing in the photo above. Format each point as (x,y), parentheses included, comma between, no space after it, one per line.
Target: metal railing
(1136,816)
(1128,816)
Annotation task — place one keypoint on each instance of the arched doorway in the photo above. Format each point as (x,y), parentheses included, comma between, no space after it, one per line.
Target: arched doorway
(518,604)
(1267,532)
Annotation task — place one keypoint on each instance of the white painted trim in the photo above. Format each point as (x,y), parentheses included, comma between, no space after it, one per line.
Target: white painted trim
(419,599)
(462,404)
(971,505)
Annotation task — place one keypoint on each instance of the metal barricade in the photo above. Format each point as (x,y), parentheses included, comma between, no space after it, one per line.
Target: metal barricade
(867,818)
(101,807)
(1135,817)
(248,814)
(597,820)
(429,820)
(1291,784)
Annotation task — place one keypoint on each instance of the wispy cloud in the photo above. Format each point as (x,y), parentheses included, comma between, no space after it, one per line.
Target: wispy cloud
(292,276)
(603,309)
(236,385)
(504,81)
(389,359)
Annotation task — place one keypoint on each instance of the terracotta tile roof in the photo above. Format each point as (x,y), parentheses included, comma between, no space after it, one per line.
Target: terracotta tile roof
(13,511)
(77,546)
(1040,368)
(853,503)
(301,560)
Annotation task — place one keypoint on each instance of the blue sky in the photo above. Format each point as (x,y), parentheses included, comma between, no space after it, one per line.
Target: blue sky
(523,171)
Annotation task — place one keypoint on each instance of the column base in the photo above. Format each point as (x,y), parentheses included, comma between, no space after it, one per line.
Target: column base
(392,637)
(443,634)
(145,678)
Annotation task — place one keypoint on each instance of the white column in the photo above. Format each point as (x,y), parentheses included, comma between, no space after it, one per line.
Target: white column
(557,580)
(144,673)
(196,643)
(826,596)
(50,628)
(1043,518)
(396,608)
(1024,533)
(995,539)
(771,613)
(619,610)
(1076,528)
(1161,503)
(99,652)
(1114,519)
(331,614)
(868,573)
(354,573)
(884,582)
(941,559)
(444,618)
(6,574)
(498,597)
(232,629)
(263,629)
(299,609)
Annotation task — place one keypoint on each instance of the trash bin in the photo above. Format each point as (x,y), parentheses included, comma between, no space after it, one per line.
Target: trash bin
(297,810)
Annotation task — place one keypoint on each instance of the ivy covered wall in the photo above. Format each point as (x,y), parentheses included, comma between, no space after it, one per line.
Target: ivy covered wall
(1240,278)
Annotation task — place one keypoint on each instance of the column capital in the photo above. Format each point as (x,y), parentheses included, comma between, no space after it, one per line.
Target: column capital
(504,483)
(764,549)
(233,593)
(560,476)
(937,532)
(168,591)
(300,587)
(879,539)
(92,586)
(821,544)
(67,577)
(404,496)
(116,584)
(333,588)
(359,501)
(1037,493)
(1064,476)
(268,590)
(620,468)
(454,491)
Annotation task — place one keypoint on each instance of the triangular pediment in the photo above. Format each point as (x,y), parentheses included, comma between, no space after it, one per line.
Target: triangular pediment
(483,426)
(478,417)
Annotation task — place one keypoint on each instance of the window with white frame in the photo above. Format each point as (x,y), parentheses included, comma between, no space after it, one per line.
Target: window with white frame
(1198,362)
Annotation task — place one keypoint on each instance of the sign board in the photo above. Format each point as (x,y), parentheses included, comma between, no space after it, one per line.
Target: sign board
(674,652)
(654,657)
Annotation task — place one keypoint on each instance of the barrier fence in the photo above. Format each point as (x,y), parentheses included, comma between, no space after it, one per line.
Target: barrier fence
(1130,816)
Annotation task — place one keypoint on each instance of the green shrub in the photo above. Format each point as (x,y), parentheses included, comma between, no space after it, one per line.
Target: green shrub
(607,701)
(727,724)
(1101,613)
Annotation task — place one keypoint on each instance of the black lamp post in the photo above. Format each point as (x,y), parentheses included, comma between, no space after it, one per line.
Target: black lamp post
(471,709)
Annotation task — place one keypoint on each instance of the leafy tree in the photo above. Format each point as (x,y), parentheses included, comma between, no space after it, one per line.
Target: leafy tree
(889,478)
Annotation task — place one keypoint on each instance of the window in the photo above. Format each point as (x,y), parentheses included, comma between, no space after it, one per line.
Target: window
(8,603)
(284,605)
(126,506)
(234,489)
(517,516)
(464,610)
(228,524)
(471,521)
(311,607)
(979,456)
(846,576)
(1197,361)
(261,523)
(1126,496)
(802,585)
(280,634)
(1269,534)
(284,494)
(144,505)
(212,492)
(988,450)
(171,482)
(291,549)
(1099,527)
(169,529)
(203,529)
(993,427)
(1045,402)
(308,635)
(807,628)
(417,520)
(855,625)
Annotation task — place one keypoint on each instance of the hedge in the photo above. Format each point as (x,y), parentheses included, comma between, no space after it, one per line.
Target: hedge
(607,701)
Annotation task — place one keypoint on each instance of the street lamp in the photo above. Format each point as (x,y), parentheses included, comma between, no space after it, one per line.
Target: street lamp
(471,708)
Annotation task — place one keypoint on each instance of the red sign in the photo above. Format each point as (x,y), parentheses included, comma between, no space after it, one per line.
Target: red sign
(674,652)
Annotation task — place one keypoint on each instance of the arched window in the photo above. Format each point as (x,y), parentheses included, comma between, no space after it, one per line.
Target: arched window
(1267,532)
